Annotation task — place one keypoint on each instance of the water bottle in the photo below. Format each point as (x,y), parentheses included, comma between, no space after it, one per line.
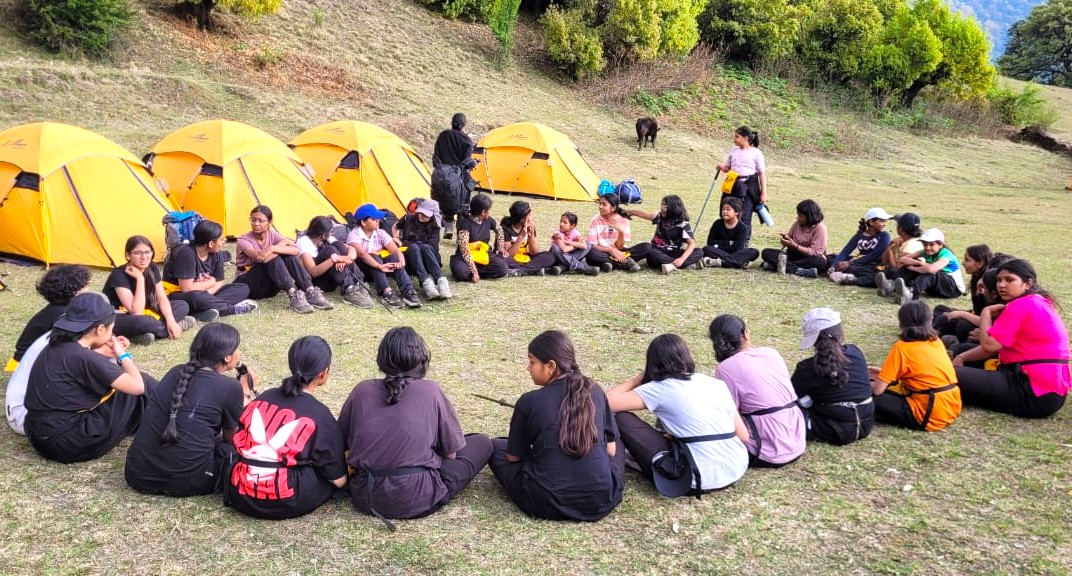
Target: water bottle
(765,215)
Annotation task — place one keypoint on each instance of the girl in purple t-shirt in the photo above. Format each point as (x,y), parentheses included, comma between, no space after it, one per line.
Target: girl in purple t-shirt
(1031,342)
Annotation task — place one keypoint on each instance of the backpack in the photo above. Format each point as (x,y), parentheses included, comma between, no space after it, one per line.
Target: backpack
(629,192)
(179,227)
(606,187)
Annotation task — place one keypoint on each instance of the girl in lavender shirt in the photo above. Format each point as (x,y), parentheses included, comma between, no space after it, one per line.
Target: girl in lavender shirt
(747,161)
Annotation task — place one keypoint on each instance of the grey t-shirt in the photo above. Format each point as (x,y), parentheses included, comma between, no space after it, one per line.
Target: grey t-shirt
(700,406)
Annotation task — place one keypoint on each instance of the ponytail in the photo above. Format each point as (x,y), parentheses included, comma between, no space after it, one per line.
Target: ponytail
(727,336)
(308,356)
(402,356)
(863,225)
(830,359)
(751,135)
(577,431)
(210,347)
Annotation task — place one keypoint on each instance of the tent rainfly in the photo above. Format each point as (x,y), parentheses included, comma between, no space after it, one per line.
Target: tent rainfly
(530,158)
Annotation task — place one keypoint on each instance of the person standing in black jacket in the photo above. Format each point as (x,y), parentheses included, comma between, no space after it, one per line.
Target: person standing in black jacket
(452,159)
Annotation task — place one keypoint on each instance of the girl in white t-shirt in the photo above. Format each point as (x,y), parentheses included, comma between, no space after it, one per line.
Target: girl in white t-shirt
(331,263)
(609,235)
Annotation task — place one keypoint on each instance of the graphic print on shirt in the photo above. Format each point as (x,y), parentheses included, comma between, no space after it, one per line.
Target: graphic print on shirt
(277,444)
(866,244)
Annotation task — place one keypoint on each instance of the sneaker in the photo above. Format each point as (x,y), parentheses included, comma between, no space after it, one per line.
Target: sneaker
(206,316)
(606,267)
(836,277)
(358,295)
(142,339)
(696,265)
(631,265)
(668,268)
(188,323)
(391,300)
(807,272)
(885,287)
(298,303)
(588,270)
(711,262)
(430,290)
(315,297)
(555,270)
(448,230)
(848,280)
(245,307)
(765,266)
(513,273)
(410,298)
(902,294)
(783,261)
(444,288)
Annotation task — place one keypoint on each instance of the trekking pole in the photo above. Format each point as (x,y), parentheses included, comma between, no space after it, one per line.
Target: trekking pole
(490,399)
(709,191)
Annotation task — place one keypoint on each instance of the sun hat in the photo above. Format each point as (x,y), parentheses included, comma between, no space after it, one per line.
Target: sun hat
(369,211)
(430,208)
(85,311)
(932,235)
(816,320)
(877,213)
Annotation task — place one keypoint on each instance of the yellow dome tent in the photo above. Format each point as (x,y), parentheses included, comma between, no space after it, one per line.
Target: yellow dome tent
(222,169)
(530,158)
(69,195)
(356,162)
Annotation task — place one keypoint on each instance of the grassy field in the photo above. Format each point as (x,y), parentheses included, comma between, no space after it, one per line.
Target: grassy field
(989,495)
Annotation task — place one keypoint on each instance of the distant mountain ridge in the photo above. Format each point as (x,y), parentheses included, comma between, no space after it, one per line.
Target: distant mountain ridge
(996,16)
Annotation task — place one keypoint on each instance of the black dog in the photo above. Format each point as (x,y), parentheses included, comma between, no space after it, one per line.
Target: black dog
(646,131)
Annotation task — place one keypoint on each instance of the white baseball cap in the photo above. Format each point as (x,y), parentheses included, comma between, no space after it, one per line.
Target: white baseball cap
(815,321)
(932,235)
(877,213)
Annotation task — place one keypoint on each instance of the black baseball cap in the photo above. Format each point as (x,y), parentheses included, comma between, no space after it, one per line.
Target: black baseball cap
(85,311)
(908,221)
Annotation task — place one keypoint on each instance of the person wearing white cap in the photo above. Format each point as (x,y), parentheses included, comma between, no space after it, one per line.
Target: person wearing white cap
(868,245)
(837,381)
(934,271)
(420,232)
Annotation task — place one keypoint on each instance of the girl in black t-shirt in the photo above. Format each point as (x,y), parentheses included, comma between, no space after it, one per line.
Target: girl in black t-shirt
(523,254)
(136,291)
(58,285)
(183,446)
(290,450)
(672,246)
(477,257)
(561,460)
(727,241)
(194,273)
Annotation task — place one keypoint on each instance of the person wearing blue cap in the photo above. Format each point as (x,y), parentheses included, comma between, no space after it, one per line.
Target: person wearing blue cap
(81,404)
(371,244)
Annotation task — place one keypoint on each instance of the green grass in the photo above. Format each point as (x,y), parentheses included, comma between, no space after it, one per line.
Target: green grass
(989,495)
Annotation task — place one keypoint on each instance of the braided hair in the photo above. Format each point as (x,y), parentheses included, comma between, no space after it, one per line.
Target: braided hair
(577,431)
(830,360)
(402,356)
(308,356)
(210,347)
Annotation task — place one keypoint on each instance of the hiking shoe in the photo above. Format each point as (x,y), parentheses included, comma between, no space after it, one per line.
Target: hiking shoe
(245,307)
(315,297)
(668,268)
(555,270)
(807,272)
(444,288)
(391,300)
(188,323)
(430,290)
(885,287)
(410,298)
(836,277)
(696,265)
(358,295)
(142,339)
(711,262)
(631,265)
(448,230)
(206,316)
(606,267)
(298,303)
(848,280)
(588,270)
(783,261)
(902,294)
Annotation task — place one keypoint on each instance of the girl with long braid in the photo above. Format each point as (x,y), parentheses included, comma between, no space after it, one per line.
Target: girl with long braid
(561,460)
(290,456)
(183,446)
(405,443)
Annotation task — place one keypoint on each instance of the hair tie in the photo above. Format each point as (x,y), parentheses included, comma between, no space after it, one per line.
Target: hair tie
(174,414)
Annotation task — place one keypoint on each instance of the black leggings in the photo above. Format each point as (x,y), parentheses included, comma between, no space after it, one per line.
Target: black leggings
(796,259)
(894,409)
(732,259)
(1005,391)
(638,253)
(495,268)
(334,279)
(134,324)
(277,275)
(657,257)
(536,263)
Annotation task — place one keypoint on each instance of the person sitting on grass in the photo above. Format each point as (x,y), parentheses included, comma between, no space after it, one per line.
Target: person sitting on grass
(758,381)
(689,405)
(403,439)
(959,324)
(183,446)
(79,403)
(369,243)
(1031,341)
(836,380)
(419,232)
(561,460)
(331,263)
(569,247)
(869,244)
(905,243)
(803,250)
(727,241)
(523,253)
(135,289)
(672,246)
(477,257)
(58,285)
(609,235)
(268,263)
(290,451)
(194,273)
(933,272)
(916,387)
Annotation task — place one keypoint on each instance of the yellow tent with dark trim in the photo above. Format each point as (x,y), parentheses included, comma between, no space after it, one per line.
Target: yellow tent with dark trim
(530,158)
(357,162)
(70,195)
(223,169)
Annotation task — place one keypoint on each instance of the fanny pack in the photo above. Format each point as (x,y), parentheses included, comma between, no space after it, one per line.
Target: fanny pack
(675,471)
(480,252)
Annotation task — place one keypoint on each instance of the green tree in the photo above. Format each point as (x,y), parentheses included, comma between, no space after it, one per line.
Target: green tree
(202,9)
(1040,46)
(502,17)
(965,71)
(572,45)
(836,36)
(751,30)
(907,49)
(633,29)
(679,32)
(88,27)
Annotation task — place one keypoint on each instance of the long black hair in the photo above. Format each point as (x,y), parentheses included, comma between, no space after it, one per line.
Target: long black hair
(668,357)
(206,231)
(60,336)
(1025,271)
(63,282)
(151,272)
(830,357)
(915,319)
(210,346)
(308,356)
(749,134)
(727,335)
(402,356)
(478,204)
(811,212)
(675,211)
(518,211)
(577,430)
(319,226)
(615,202)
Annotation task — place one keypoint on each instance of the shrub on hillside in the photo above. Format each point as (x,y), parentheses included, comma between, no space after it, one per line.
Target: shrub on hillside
(87,27)
(202,9)
(475,10)
(571,44)
(751,31)
(1022,109)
